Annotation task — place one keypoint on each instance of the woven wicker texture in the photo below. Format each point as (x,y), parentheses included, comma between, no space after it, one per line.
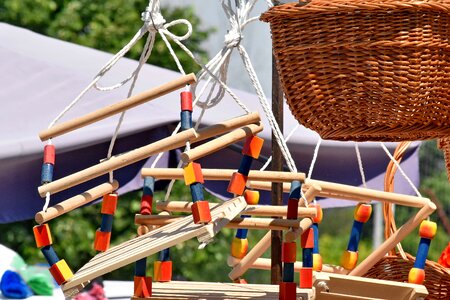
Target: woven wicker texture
(365,70)
(444,145)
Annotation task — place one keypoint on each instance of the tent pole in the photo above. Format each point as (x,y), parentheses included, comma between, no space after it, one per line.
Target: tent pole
(277,165)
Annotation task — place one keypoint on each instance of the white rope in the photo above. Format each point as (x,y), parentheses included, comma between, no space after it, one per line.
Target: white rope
(313,161)
(47,202)
(400,169)
(360,165)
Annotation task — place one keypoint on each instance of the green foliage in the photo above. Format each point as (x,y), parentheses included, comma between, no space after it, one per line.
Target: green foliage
(105,25)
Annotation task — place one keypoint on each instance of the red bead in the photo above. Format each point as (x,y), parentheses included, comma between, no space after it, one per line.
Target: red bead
(186,101)
(201,212)
(237,184)
(102,239)
(362,212)
(306,278)
(416,276)
(253,146)
(163,271)
(307,238)
(319,216)
(251,197)
(288,291)
(142,286)
(292,209)
(193,173)
(49,154)
(289,252)
(109,204)
(428,229)
(61,272)
(42,235)
(146,204)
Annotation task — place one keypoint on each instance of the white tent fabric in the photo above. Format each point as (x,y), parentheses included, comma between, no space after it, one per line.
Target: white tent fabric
(39,76)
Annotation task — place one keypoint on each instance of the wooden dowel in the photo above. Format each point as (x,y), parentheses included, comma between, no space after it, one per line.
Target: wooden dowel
(246,223)
(264,264)
(169,143)
(116,108)
(76,201)
(220,142)
(223,174)
(251,210)
(394,239)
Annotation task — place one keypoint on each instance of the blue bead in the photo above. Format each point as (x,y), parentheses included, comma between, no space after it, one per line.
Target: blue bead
(197,192)
(295,190)
(50,255)
(241,233)
(164,255)
(107,221)
(186,119)
(46,173)
(288,272)
(422,253)
(355,236)
(315,228)
(246,164)
(149,185)
(140,267)
(307,258)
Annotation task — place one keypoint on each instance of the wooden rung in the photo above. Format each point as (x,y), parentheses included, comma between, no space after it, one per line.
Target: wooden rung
(251,210)
(224,174)
(220,142)
(264,264)
(76,201)
(239,223)
(169,143)
(116,108)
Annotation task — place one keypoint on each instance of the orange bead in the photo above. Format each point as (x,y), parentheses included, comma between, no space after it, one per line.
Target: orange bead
(201,212)
(253,146)
(102,239)
(362,212)
(42,235)
(237,184)
(142,286)
(349,260)
(109,204)
(427,229)
(289,252)
(61,272)
(163,271)
(416,276)
(251,197)
(319,216)
(317,262)
(306,278)
(307,238)
(288,291)
(193,173)
(239,247)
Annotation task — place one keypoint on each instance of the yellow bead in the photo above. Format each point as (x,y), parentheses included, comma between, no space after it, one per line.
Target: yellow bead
(319,217)
(363,212)
(239,247)
(193,173)
(349,260)
(427,229)
(61,272)
(317,262)
(251,197)
(416,276)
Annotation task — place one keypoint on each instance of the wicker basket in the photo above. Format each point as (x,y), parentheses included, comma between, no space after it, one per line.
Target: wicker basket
(444,145)
(365,69)
(396,266)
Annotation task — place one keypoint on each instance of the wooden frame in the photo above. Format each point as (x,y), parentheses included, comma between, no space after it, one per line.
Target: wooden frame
(116,108)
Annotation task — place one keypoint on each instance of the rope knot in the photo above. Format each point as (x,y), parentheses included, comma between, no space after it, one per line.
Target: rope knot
(233,38)
(153,19)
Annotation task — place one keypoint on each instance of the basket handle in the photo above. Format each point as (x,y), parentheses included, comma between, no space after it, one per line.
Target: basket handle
(389,221)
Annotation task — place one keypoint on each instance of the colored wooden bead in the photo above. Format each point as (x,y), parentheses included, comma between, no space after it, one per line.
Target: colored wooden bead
(317,262)
(163,271)
(252,147)
(240,281)
(164,255)
(61,272)
(251,197)
(362,212)
(42,235)
(193,173)
(422,253)
(355,236)
(319,216)
(140,267)
(246,164)
(50,255)
(186,101)
(146,204)
(47,173)
(288,272)
(427,229)
(239,247)
(294,192)
(201,212)
(416,276)
(102,239)
(315,228)
(142,286)
(349,260)
(292,208)
(49,154)
(307,257)
(107,221)
(289,252)
(109,204)
(241,233)
(197,192)
(186,120)
(288,291)
(149,185)
(306,278)
(307,238)
(237,184)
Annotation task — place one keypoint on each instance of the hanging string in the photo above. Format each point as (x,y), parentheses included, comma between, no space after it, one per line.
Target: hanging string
(360,165)
(314,159)
(400,169)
